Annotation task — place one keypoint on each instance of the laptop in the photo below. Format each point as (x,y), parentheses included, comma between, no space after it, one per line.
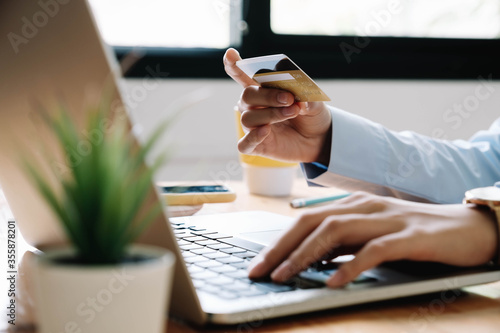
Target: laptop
(53,48)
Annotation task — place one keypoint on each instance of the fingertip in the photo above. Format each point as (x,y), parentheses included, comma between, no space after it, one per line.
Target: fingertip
(337,280)
(246,146)
(231,55)
(283,272)
(249,142)
(257,268)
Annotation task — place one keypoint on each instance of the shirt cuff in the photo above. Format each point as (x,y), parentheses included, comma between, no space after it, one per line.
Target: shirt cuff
(359,148)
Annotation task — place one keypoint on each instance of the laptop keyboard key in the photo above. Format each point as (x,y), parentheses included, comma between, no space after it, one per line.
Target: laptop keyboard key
(247,254)
(202,232)
(207,242)
(195,239)
(239,274)
(219,246)
(204,275)
(198,283)
(195,259)
(183,242)
(233,250)
(190,246)
(194,228)
(187,235)
(210,288)
(300,283)
(244,264)
(230,260)
(224,269)
(195,269)
(246,280)
(237,286)
(216,255)
(271,286)
(221,280)
(322,276)
(228,295)
(187,254)
(208,264)
(362,278)
(217,235)
(177,223)
(203,251)
(318,276)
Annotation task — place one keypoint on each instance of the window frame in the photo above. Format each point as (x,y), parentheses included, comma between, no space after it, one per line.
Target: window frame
(322,57)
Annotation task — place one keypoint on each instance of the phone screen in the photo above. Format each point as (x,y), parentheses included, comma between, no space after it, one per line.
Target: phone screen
(194,189)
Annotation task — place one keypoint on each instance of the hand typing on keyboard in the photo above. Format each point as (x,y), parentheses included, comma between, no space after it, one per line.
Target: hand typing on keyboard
(218,265)
(378,229)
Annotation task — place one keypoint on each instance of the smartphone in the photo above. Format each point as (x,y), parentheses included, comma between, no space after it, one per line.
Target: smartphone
(196,194)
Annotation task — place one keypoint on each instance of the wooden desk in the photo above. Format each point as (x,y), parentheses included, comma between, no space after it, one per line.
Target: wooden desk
(475,309)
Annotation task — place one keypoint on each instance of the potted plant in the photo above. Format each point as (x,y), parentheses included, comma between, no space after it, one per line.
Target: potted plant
(101,282)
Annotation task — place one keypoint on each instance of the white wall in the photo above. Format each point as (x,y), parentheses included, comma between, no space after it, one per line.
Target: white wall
(204,136)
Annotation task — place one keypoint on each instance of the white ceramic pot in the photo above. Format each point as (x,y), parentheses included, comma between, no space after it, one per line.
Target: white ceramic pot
(130,297)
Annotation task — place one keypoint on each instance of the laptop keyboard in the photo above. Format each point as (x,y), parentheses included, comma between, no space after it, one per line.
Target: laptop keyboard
(218,265)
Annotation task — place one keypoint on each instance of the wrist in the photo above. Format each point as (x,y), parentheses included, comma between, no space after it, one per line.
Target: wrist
(495,214)
(326,148)
(488,198)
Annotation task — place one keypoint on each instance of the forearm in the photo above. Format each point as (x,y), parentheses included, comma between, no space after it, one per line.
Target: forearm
(435,170)
(318,177)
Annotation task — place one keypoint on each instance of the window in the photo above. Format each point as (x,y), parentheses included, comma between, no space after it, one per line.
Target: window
(380,39)
(398,18)
(171,38)
(155,23)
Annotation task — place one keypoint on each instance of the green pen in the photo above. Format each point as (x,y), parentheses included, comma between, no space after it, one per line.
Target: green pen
(298,203)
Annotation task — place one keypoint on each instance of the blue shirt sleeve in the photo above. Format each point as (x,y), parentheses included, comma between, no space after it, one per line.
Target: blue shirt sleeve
(436,170)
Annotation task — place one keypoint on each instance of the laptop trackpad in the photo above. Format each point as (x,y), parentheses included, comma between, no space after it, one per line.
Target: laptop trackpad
(261,237)
(255,226)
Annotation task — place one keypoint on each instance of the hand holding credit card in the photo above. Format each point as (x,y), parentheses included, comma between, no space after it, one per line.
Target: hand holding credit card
(288,120)
(280,72)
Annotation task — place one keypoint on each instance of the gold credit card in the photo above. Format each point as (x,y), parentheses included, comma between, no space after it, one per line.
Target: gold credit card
(279,71)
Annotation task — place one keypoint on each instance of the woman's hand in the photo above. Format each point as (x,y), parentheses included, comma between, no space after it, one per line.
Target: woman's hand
(378,229)
(277,126)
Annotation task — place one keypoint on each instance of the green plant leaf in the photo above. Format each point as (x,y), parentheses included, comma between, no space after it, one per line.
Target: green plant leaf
(100,201)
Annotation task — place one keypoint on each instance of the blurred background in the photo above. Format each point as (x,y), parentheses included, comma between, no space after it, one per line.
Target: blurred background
(421,65)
